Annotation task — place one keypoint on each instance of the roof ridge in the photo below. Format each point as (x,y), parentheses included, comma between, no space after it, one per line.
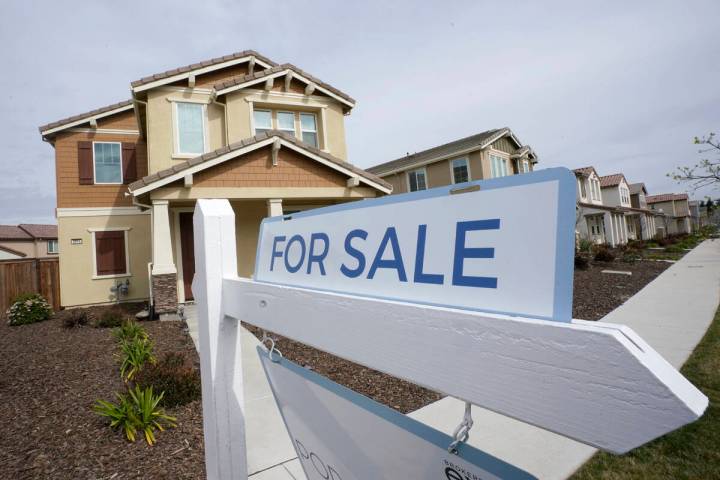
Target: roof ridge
(80,116)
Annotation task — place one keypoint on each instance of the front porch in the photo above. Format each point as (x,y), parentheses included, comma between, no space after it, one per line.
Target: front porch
(602,225)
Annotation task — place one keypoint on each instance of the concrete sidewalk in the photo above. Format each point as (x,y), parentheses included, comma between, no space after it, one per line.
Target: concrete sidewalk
(671,313)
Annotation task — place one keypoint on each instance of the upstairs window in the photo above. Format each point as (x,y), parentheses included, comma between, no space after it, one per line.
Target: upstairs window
(524,166)
(583,191)
(52,246)
(308,129)
(416,180)
(595,188)
(190,128)
(107,162)
(460,170)
(498,166)
(262,120)
(286,122)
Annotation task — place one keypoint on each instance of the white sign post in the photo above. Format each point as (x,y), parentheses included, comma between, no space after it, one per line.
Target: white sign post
(467,292)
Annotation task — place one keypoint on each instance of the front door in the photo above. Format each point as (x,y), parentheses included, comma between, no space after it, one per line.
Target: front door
(187,247)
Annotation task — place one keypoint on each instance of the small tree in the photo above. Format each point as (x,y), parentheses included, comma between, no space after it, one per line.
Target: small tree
(707,171)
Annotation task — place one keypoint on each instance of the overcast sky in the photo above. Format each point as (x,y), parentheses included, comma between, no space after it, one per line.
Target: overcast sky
(623,86)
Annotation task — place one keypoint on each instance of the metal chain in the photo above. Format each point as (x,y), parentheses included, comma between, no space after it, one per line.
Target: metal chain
(271,348)
(462,432)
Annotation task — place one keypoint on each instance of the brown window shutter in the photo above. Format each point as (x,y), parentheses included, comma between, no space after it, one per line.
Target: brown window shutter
(85,163)
(110,253)
(129,163)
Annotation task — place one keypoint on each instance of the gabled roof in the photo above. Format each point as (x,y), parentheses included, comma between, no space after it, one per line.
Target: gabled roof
(13,232)
(636,188)
(40,231)
(666,197)
(205,66)
(81,118)
(233,84)
(165,177)
(612,180)
(27,231)
(456,147)
(585,171)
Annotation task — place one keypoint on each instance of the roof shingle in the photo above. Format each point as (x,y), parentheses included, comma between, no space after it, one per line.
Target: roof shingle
(612,180)
(666,197)
(81,116)
(40,230)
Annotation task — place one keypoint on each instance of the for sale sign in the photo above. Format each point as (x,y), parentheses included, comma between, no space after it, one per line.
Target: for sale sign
(502,245)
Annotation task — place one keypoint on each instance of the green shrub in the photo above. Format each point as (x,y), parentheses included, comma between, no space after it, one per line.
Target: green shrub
(75,318)
(128,331)
(134,354)
(585,245)
(603,254)
(110,318)
(136,411)
(631,257)
(674,249)
(651,244)
(174,376)
(28,308)
(581,263)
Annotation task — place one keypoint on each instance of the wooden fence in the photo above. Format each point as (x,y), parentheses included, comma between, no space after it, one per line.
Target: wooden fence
(36,275)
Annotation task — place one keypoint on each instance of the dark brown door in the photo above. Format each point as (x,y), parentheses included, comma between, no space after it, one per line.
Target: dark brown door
(187,245)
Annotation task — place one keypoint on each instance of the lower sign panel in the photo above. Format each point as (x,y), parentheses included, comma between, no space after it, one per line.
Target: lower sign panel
(341,435)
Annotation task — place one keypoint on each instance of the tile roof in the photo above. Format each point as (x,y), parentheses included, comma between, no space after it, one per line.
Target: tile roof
(39,230)
(666,197)
(612,180)
(478,140)
(13,232)
(150,179)
(81,116)
(203,64)
(636,188)
(279,68)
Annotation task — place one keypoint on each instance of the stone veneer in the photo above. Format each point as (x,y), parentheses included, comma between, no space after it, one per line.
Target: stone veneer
(164,290)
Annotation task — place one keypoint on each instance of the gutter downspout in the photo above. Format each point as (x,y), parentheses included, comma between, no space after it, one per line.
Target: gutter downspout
(213,100)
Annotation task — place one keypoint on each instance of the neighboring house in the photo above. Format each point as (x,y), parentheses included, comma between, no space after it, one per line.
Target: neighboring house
(490,154)
(675,210)
(28,241)
(641,219)
(597,221)
(269,138)
(698,215)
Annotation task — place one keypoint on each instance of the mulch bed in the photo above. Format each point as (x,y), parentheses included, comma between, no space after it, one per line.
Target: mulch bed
(595,294)
(50,377)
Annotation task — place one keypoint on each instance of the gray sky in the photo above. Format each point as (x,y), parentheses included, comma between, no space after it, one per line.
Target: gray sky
(623,86)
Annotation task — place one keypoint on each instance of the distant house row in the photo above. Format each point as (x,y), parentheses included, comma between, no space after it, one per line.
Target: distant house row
(28,241)
(613,211)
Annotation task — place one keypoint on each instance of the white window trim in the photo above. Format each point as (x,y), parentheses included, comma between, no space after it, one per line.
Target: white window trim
(407,178)
(452,170)
(57,246)
(316,131)
(495,153)
(127,273)
(176,130)
(525,165)
(296,120)
(95,182)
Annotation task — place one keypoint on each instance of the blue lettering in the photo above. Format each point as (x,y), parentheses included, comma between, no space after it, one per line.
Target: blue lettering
(294,268)
(318,258)
(275,252)
(462,252)
(396,262)
(419,276)
(355,253)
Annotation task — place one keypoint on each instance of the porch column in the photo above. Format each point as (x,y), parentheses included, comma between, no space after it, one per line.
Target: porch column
(609,228)
(275,208)
(164,273)
(623,224)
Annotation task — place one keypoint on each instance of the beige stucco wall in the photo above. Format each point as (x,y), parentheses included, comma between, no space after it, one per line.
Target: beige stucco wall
(161,122)
(77,287)
(330,118)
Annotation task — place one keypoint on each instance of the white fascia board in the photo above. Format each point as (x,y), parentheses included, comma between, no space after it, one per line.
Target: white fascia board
(99,211)
(198,71)
(282,73)
(86,120)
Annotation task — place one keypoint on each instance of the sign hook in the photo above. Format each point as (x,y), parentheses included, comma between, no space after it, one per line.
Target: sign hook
(462,432)
(271,347)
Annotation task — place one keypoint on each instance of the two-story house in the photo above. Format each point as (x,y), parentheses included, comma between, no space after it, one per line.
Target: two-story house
(269,138)
(596,221)
(675,210)
(640,218)
(490,154)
